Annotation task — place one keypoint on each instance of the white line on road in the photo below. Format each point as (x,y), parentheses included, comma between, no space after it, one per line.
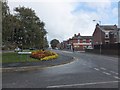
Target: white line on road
(106,73)
(114,72)
(97,69)
(67,52)
(63,64)
(116,77)
(112,59)
(103,68)
(82,84)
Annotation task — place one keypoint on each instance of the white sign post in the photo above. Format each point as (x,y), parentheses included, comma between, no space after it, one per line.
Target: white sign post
(24,53)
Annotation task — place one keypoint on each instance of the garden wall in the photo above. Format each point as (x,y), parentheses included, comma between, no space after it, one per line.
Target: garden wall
(106,49)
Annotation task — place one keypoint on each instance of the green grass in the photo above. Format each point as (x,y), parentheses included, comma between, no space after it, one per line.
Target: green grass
(14,57)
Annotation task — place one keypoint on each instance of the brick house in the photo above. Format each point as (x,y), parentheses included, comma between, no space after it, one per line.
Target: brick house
(78,42)
(64,45)
(105,34)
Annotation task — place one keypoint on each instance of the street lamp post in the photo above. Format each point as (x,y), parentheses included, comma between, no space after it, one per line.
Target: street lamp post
(100,36)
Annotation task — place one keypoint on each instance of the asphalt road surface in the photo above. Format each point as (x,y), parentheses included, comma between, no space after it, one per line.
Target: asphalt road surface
(87,71)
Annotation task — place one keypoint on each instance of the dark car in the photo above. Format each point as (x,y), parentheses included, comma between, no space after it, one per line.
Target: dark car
(32,48)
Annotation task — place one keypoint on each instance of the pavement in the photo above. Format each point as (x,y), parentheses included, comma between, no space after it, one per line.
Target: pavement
(11,67)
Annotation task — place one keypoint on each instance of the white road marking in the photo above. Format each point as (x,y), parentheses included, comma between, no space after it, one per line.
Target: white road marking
(116,77)
(67,52)
(106,73)
(97,69)
(114,72)
(103,68)
(80,51)
(82,84)
(63,64)
(112,59)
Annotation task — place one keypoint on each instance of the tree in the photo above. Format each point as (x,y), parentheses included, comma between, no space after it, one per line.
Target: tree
(32,27)
(7,25)
(54,43)
(46,43)
(5,9)
(22,29)
(5,21)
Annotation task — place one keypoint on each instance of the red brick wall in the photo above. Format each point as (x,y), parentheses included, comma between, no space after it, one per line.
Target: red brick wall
(96,36)
(74,41)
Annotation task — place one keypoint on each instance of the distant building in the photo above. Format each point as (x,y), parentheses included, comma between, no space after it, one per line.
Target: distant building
(78,42)
(105,34)
(64,45)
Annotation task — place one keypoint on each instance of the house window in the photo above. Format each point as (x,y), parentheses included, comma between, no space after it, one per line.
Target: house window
(107,42)
(75,46)
(90,40)
(106,35)
(84,40)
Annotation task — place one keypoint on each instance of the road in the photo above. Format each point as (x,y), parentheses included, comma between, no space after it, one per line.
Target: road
(87,71)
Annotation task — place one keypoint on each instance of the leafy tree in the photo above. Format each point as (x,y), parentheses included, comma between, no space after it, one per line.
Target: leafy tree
(32,28)
(10,27)
(45,43)
(5,9)
(7,25)
(22,29)
(5,21)
(54,43)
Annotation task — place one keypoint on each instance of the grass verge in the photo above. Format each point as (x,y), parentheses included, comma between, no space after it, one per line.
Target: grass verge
(13,57)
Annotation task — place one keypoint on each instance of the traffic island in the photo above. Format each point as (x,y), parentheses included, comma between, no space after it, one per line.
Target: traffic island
(27,66)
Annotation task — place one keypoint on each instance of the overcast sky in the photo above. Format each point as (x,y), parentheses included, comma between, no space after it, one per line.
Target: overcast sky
(64,18)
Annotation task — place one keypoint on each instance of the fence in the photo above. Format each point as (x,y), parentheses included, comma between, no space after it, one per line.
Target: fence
(106,49)
(108,46)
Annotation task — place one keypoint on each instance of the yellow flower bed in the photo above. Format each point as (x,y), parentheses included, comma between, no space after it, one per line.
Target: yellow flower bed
(44,55)
(49,57)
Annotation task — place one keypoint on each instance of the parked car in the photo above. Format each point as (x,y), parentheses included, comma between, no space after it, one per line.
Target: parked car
(32,48)
(89,47)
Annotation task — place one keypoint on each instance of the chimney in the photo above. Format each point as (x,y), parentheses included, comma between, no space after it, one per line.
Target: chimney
(78,34)
(74,35)
(97,24)
(115,26)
